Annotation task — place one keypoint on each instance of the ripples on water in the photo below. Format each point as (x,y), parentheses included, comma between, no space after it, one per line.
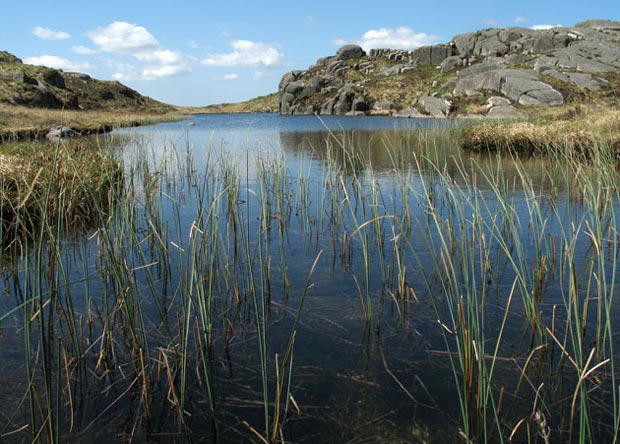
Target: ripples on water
(424,257)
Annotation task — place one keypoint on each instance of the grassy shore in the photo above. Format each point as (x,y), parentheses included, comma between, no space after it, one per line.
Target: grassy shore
(577,129)
(57,184)
(19,123)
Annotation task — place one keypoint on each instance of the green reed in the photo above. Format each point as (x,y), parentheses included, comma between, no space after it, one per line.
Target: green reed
(166,305)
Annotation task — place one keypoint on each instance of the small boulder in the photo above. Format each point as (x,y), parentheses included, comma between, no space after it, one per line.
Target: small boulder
(22,77)
(54,78)
(349,52)
(61,132)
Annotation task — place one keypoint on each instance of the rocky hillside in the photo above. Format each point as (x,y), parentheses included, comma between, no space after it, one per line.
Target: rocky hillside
(40,87)
(502,73)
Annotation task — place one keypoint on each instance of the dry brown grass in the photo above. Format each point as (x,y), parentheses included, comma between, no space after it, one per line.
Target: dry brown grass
(262,104)
(579,131)
(21,123)
(68,183)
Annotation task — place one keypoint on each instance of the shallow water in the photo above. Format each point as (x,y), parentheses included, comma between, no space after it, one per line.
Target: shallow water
(196,301)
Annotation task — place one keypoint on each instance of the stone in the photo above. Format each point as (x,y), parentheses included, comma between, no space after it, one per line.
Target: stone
(61,132)
(497,101)
(451,63)
(505,112)
(54,78)
(521,86)
(349,52)
(583,80)
(22,77)
(431,55)
(409,112)
(435,106)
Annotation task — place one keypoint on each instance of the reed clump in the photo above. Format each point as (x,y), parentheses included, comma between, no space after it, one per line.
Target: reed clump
(61,183)
(575,132)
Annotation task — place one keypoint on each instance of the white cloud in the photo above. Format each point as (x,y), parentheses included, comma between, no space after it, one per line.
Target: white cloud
(153,72)
(490,22)
(232,76)
(399,38)
(123,38)
(58,62)
(83,50)
(258,75)
(521,20)
(48,34)
(136,41)
(246,53)
(544,27)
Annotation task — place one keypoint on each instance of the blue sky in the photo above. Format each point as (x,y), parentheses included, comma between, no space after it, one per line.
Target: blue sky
(199,53)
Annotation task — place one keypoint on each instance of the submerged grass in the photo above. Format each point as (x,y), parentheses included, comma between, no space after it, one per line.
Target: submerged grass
(189,310)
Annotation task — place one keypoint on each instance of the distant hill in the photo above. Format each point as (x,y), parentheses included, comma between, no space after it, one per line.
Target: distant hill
(504,73)
(42,87)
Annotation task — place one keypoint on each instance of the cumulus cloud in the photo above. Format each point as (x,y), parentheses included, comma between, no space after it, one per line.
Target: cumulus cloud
(83,50)
(246,53)
(48,34)
(58,62)
(258,75)
(129,39)
(399,38)
(543,27)
(232,76)
(520,20)
(124,38)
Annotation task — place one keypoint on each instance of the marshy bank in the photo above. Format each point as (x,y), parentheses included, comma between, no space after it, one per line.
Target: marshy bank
(260,280)
(21,124)
(54,184)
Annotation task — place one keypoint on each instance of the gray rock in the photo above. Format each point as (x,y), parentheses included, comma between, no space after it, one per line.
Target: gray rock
(599,25)
(505,112)
(384,105)
(349,52)
(451,63)
(521,86)
(54,78)
(586,55)
(583,80)
(61,132)
(435,106)
(431,55)
(497,101)
(396,69)
(78,75)
(22,77)
(409,113)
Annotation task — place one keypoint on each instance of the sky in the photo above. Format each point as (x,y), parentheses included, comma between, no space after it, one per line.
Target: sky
(196,53)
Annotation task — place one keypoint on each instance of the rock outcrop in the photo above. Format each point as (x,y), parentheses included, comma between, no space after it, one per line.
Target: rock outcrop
(42,87)
(512,69)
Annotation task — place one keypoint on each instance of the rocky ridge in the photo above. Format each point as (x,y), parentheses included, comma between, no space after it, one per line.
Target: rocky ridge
(499,73)
(41,87)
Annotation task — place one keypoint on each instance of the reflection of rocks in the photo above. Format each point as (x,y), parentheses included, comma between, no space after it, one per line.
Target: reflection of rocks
(516,63)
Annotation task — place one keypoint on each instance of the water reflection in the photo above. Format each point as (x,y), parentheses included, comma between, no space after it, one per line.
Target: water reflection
(405,259)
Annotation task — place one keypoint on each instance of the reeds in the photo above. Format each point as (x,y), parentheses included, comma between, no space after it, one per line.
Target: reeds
(183,305)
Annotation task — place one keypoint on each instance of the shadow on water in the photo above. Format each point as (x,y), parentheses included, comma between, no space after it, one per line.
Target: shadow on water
(261,279)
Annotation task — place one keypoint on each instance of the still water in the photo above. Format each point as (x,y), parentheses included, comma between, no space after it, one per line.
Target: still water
(295,279)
